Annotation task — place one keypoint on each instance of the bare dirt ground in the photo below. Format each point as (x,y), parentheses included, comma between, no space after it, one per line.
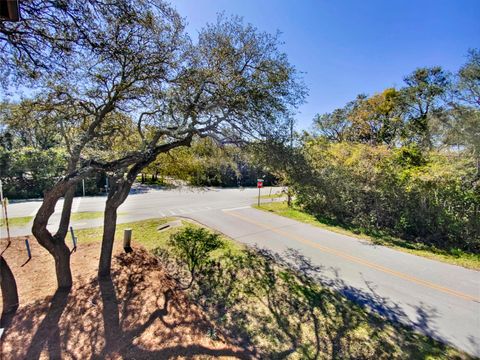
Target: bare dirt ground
(136,314)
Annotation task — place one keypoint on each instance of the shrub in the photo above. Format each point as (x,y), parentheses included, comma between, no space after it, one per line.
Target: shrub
(193,246)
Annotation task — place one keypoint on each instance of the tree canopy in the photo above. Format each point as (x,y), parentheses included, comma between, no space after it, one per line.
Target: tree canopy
(125,83)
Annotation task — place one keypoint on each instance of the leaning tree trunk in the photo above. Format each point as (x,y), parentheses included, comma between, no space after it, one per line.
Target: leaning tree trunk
(8,286)
(117,195)
(109,227)
(62,251)
(119,190)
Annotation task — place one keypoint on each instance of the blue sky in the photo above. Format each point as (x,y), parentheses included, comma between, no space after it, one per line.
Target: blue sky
(347,47)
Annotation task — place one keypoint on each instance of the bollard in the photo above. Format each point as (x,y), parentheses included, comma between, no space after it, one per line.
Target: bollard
(127,238)
(28,248)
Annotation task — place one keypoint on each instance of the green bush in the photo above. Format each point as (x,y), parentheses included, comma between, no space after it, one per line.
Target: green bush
(193,246)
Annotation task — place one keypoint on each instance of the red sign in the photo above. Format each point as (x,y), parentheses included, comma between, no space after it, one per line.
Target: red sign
(259,183)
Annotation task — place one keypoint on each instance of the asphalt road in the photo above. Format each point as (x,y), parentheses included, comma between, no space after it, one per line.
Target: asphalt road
(437,299)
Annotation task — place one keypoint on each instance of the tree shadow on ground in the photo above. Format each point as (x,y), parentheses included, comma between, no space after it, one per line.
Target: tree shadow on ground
(284,305)
(48,332)
(136,313)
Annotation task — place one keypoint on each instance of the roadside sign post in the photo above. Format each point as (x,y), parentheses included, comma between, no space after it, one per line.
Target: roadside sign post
(4,204)
(259,186)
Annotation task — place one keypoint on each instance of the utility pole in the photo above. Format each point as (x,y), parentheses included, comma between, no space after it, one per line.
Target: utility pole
(289,195)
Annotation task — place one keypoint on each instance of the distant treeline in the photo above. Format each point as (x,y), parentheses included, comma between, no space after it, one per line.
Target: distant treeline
(27,171)
(206,163)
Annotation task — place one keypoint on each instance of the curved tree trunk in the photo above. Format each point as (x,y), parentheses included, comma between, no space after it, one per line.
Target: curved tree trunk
(109,227)
(55,244)
(8,286)
(62,265)
(119,189)
(62,251)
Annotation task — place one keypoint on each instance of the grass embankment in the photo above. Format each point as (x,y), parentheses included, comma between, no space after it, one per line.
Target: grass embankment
(455,257)
(22,221)
(276,305)
(273,196)
(86,215)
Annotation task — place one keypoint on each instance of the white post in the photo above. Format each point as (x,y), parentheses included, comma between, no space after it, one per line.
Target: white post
(127,238)
(4,211)
(83,187)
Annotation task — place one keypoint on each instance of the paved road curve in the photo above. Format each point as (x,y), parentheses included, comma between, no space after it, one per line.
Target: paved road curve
(437,299)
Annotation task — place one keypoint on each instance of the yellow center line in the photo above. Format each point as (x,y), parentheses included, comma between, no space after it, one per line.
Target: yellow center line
(358,260)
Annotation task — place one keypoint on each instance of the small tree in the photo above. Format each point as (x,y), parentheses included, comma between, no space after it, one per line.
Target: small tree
(193,246)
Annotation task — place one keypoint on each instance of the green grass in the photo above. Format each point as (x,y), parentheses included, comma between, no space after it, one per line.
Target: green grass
(258,295)
(16,221)
(89,215)
(145,233)
(456,257)
(86,215)
(273,196)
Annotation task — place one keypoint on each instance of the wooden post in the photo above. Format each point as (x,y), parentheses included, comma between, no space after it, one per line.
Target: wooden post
(4,203)
(127,238)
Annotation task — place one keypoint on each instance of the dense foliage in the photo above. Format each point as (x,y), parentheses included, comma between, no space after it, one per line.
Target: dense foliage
(207,163)
(429,197)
